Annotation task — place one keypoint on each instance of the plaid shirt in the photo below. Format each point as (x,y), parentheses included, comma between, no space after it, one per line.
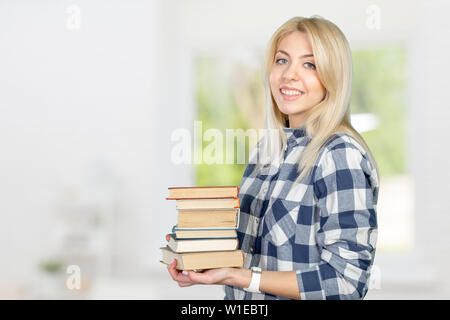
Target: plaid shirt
(324,228)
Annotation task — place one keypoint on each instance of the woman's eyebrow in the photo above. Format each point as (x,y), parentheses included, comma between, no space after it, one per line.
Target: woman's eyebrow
(303,56)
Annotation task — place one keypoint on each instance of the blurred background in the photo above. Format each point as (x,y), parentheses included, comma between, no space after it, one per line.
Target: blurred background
(91,93)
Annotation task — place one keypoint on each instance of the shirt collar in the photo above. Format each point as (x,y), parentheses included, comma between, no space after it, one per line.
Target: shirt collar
(294,135)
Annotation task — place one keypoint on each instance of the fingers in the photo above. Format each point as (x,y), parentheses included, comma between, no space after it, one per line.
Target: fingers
(181,277)
(183,283)
(167,237)
(188,278)
(172,270)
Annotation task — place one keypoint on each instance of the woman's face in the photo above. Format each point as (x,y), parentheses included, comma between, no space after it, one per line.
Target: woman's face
(294,82)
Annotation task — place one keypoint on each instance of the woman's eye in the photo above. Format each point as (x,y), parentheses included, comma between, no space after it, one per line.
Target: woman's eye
(309,65)
(280,59)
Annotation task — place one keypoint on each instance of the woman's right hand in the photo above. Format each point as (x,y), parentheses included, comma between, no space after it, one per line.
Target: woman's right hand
(210,276)
(181,277)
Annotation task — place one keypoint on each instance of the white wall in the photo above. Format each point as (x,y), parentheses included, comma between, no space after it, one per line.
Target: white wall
(430,112)
(88,108)
(226,24)
(93,109)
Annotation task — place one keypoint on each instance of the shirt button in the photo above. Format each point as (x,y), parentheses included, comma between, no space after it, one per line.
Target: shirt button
(265,190)
(251,249)
(257,220)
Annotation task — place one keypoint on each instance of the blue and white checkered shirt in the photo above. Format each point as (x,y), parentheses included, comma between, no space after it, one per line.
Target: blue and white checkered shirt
(324,228)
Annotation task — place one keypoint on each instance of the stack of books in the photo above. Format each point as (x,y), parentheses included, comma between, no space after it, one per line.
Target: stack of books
(205,235)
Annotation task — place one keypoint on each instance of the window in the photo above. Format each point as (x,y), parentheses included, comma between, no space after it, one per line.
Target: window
(379,89)
(230,95)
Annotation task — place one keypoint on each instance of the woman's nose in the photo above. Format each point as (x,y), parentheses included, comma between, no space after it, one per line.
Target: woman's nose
(291,73)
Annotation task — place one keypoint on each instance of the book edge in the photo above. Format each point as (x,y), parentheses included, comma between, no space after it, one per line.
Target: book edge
(237,187)
(237,205)
(180,255)
(200,198)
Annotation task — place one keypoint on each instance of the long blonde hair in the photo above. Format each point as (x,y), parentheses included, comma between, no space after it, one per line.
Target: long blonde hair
(333,61)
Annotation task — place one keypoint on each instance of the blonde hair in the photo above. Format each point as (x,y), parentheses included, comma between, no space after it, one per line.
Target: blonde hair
(333,62)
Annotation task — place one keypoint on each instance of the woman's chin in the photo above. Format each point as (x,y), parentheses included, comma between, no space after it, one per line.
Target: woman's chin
(289,110)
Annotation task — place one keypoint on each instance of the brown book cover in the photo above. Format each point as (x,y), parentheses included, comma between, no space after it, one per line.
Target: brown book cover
(199,245)
(176,193)
(203,260)
(204,233)
(208,203)
(216,218)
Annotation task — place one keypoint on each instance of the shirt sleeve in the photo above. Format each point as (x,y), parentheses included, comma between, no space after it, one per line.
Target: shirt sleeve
(346,188)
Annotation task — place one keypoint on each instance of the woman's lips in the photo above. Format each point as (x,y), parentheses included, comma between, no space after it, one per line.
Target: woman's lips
(290,97)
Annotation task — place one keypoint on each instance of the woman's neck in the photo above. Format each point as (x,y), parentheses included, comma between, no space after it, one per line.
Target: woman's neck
(295,121)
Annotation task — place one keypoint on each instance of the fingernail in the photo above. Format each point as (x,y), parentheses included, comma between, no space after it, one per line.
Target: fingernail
(185,272)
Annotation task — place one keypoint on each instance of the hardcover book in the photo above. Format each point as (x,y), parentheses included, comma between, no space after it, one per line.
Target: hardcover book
(192,245)
(176,193)
(205,236)
(227,203)
(204,233)
(208,218)
(203,260)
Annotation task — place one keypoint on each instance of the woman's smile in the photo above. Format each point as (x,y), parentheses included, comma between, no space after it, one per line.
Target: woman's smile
(290,94)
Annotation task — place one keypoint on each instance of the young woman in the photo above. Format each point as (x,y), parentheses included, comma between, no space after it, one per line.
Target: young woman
(308,224)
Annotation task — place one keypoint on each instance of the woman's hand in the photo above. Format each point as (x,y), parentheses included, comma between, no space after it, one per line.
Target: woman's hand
(189,278)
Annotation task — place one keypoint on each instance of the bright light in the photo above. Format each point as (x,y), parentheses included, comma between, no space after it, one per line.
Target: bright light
(364,122)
